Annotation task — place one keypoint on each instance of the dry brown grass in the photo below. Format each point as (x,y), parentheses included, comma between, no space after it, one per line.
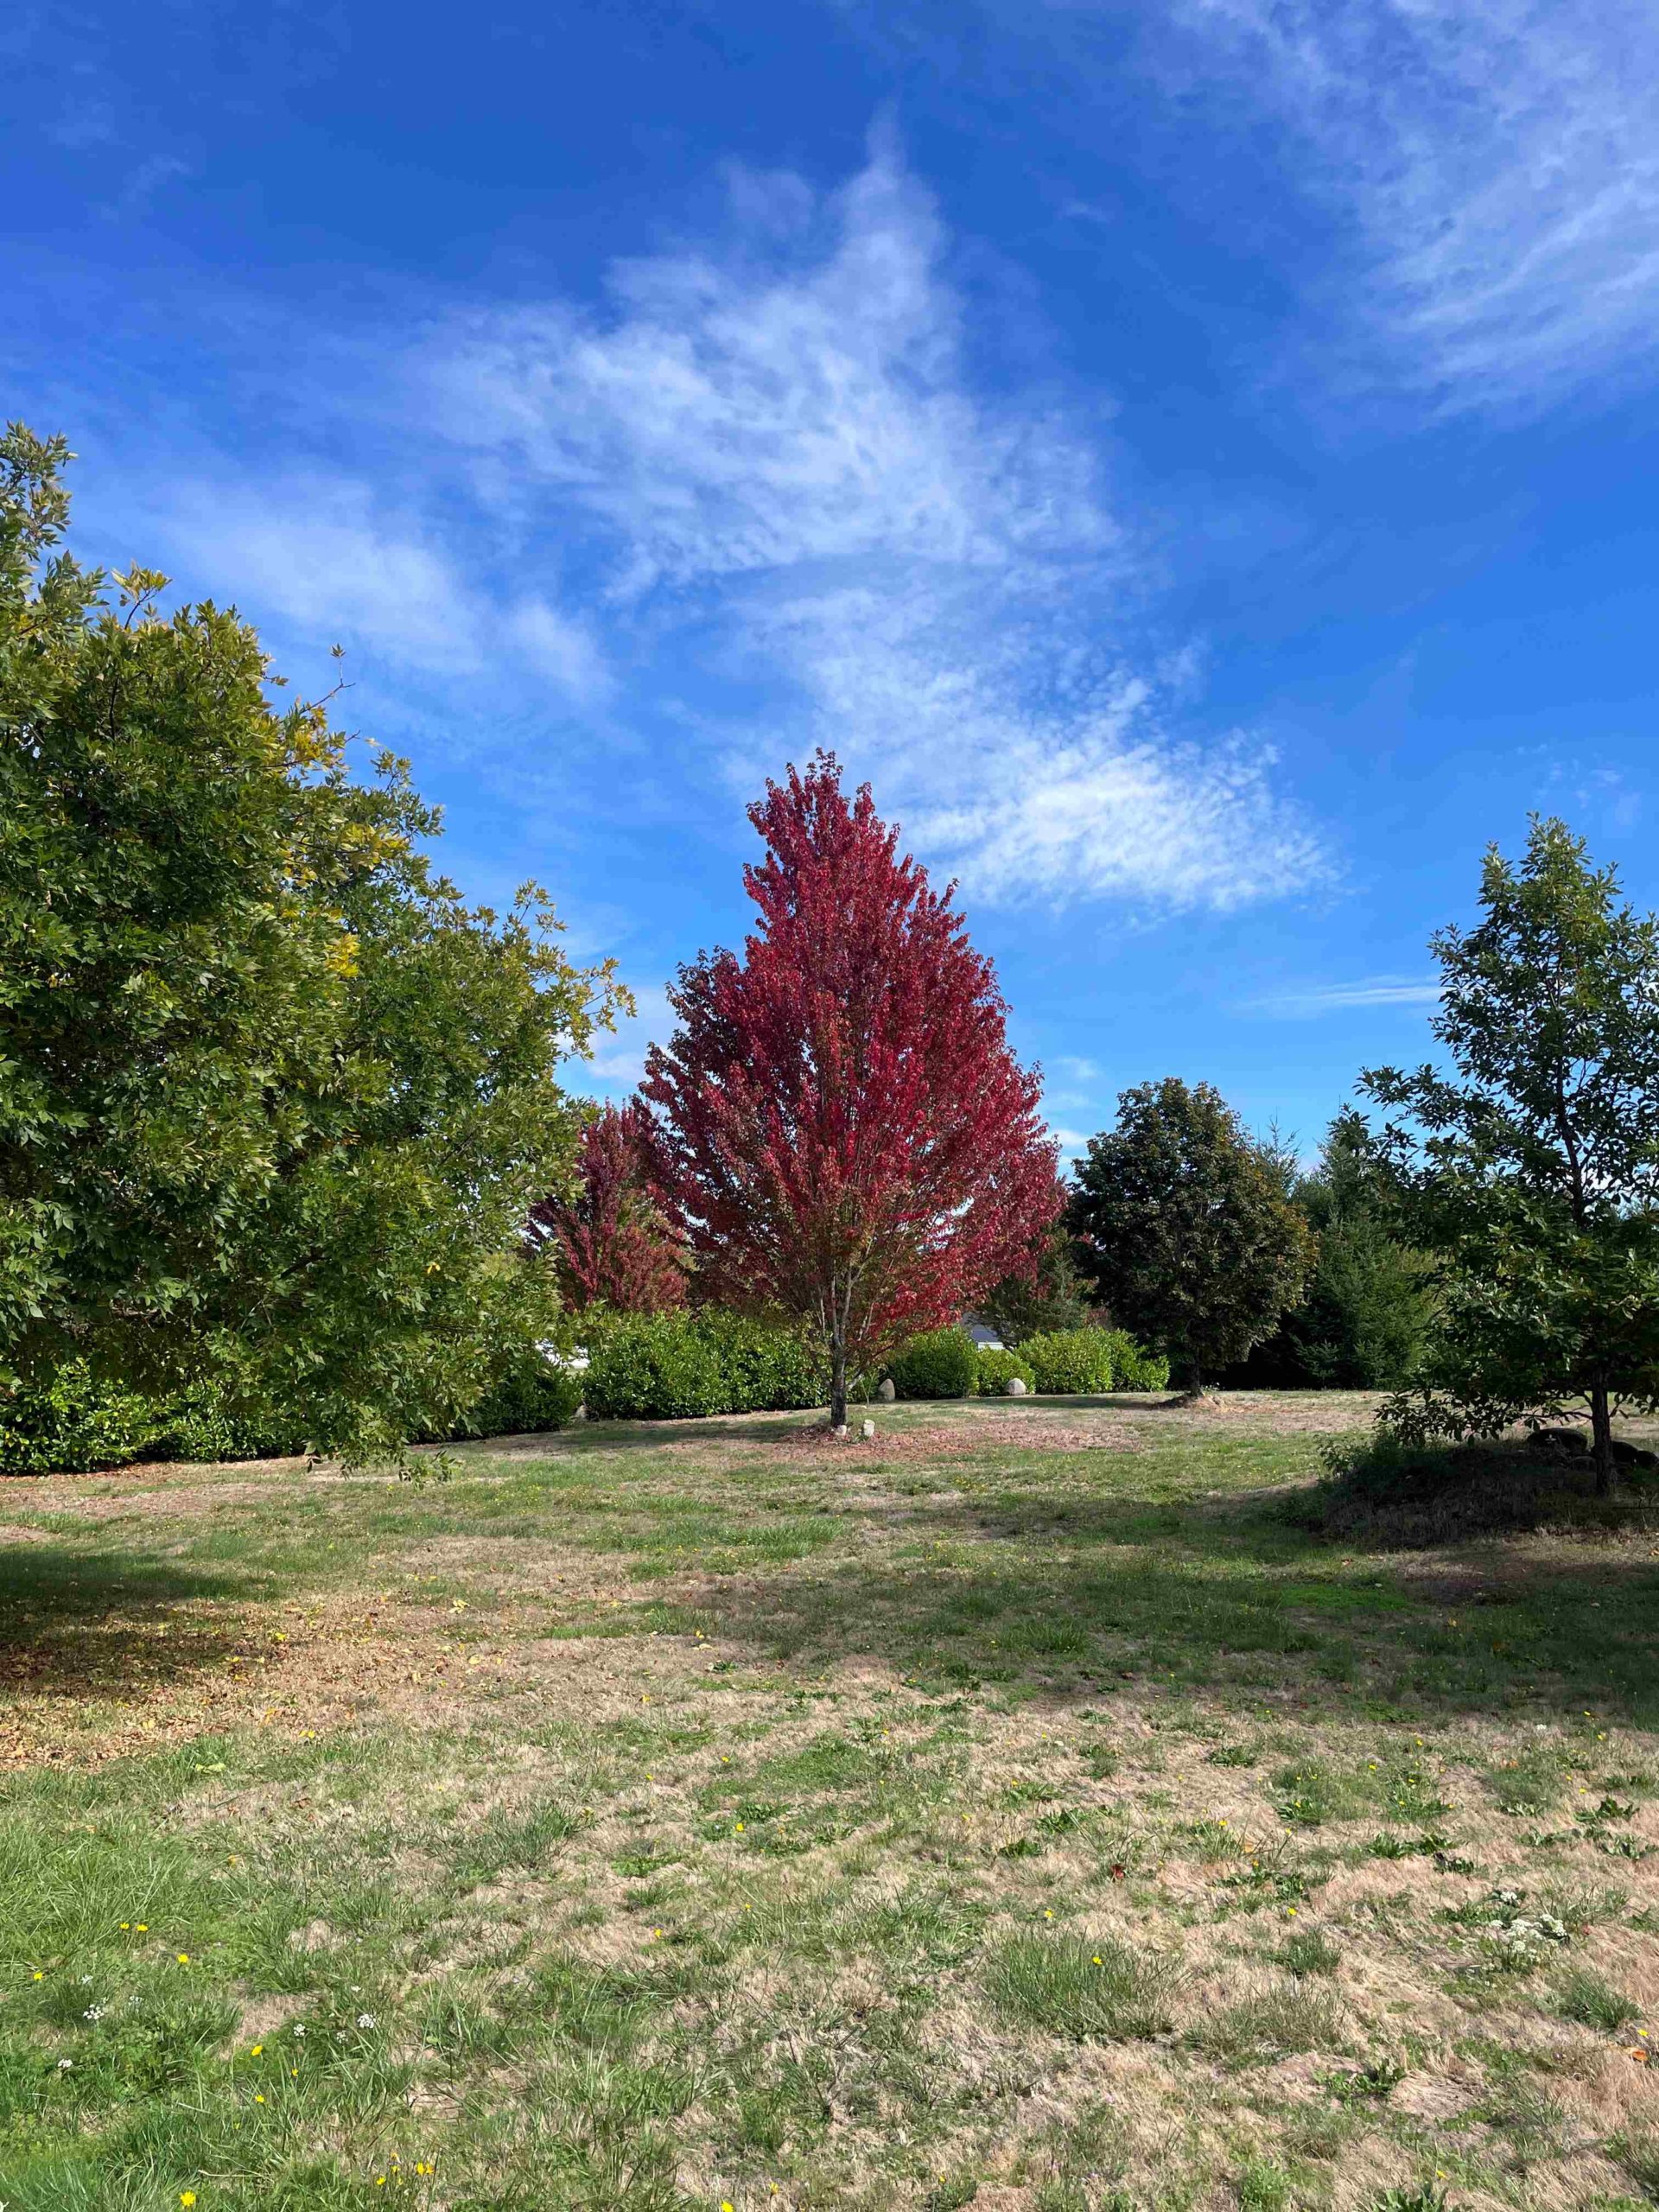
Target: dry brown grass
(833,1732)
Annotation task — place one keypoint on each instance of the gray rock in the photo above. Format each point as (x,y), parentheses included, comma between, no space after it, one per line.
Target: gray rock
(1558,1440)
(886,1391)
(1014,1386)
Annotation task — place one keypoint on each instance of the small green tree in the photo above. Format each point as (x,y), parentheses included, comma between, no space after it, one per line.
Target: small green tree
(1184,1225)
(1056,1297)
(1532,1173)
(274,1102)
(1363,1320)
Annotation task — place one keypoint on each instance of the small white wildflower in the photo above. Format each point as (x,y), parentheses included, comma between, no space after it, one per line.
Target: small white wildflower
(299,2027)
(65,2065)
(94,2012)
(365,2019)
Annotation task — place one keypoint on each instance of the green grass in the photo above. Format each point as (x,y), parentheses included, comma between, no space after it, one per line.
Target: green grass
(658,1818)
(1097,1989)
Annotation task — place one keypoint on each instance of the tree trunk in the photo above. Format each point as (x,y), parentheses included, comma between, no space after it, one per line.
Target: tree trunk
(1601,1434)
(838,1375)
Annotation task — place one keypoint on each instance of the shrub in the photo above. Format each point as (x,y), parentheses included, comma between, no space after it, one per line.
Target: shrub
(942,1364)
(200,1425)
(765,1367)
(1072,1360)
(676,1366)
(653,1367)
(1133,1367)
(73,1424)
(995,1369)
(535,1394)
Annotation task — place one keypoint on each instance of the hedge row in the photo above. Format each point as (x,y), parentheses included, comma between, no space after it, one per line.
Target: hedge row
(74,1425)
(660,1367)
(670,1366)
(947,1364)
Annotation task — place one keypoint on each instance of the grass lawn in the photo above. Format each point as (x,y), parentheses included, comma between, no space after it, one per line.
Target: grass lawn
(1021,1811)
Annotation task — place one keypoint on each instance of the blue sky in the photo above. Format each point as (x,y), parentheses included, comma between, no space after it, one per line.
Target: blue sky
(1196,458)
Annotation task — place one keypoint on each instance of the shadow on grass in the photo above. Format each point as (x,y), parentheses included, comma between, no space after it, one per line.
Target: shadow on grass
(994,1423)
(1226,1598)
(598,1438)
(72,1623)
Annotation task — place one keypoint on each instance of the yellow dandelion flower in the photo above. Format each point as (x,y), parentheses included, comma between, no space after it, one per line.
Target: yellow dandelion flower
(255,2052)
(186,2196)
(184,1958)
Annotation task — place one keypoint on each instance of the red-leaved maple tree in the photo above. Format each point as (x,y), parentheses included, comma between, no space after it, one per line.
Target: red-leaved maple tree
(611,1245)
(843,1130)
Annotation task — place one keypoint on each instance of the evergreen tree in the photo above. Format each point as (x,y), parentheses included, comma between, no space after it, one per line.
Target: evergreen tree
(1055,1296)
(1369,1304)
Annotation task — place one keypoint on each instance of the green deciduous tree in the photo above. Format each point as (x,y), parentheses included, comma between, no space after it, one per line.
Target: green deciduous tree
(1186,1228)
(274,1102)
(1532,1172)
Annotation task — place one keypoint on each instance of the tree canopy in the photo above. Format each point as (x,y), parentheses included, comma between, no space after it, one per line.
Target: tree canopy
(1186,1228)
(1365,1314)
(1531,1168)
(609,1242)
(1052,1297)
(845,1135)
(273,1100)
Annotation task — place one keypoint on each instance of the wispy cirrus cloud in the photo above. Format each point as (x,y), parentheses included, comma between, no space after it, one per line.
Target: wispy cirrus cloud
(326,556)
(1342,998)
(776,456)
(1499,166)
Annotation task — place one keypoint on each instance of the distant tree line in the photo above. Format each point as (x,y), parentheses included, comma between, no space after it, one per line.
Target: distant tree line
(288,1148)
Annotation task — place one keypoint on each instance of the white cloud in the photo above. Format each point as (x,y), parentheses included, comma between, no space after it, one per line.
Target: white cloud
(776,456)
(1338,998)
(619,1057)
(1501,164)
(561,647)
(322,554)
